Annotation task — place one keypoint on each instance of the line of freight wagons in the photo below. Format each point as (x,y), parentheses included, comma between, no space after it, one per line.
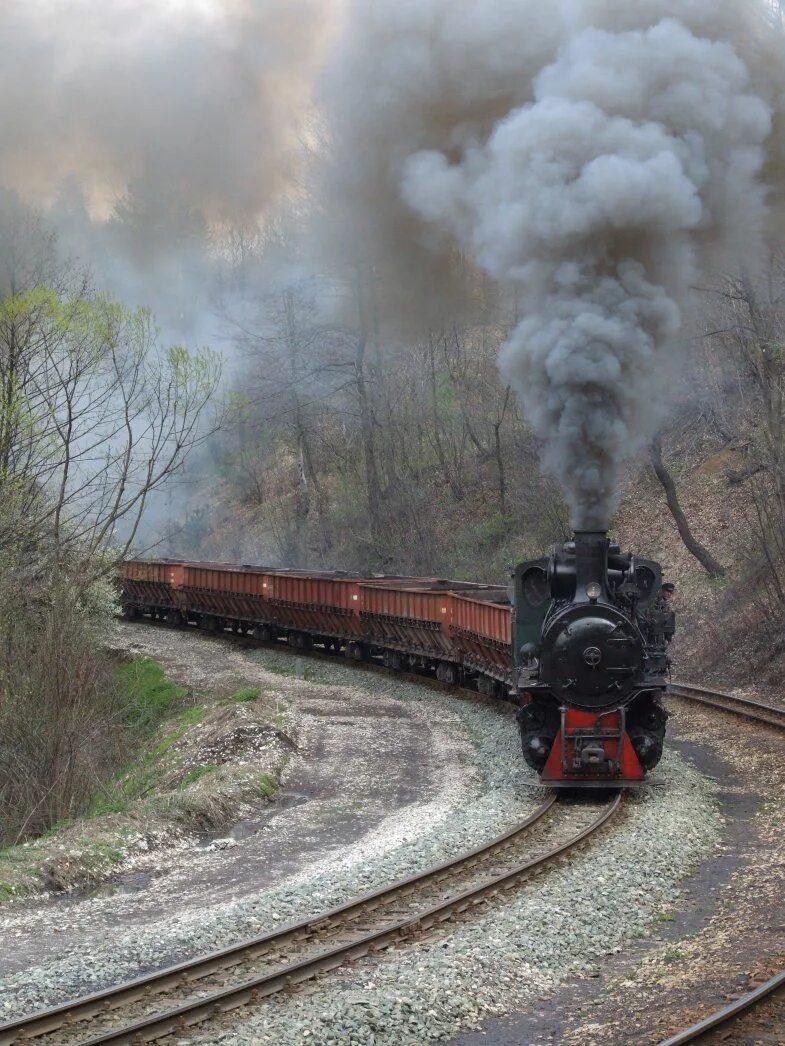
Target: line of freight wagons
(460,631)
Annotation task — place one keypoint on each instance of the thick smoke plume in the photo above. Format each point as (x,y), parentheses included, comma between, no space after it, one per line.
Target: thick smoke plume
(204,100)
(591,154)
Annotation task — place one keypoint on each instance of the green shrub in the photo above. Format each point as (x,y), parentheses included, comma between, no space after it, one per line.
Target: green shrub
(246,694)
(149,696)
(197,773)
(267,785)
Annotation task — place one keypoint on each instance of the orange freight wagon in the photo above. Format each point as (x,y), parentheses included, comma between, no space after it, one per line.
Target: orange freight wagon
(412,616)
(322,604)
(225,592)
(482,630)
(152,585)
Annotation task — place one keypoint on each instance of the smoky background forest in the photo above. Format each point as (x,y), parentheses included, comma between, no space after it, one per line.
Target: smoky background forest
(260,261)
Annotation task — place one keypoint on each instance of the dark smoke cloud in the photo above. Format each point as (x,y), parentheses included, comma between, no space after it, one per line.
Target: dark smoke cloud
(591,155)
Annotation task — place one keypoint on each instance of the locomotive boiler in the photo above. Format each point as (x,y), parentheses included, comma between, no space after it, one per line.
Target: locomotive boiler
(590,634)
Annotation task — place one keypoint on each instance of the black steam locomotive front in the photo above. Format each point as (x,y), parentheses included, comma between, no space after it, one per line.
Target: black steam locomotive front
(591,635)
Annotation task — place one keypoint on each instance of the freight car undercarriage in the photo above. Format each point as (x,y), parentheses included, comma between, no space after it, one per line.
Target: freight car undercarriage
(395,659)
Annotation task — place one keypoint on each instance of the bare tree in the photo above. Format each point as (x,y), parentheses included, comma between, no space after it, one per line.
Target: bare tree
(94,416)
(712,567)
(744,360)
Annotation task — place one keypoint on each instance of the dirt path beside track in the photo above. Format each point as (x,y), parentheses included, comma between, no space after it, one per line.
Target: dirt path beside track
(368,771)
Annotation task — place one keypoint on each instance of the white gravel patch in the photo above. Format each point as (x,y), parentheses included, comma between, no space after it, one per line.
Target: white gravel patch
(559,925)
(463,814)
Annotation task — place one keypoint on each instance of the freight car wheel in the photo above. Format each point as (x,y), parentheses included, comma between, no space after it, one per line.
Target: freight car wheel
(263,633)
(487,687)
(447,673)
(357,652)
(300,641)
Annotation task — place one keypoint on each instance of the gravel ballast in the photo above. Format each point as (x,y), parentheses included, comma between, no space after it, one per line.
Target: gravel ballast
(559,924)
(482,789)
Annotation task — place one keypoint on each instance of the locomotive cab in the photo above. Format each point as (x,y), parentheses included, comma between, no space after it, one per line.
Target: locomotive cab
(591,662)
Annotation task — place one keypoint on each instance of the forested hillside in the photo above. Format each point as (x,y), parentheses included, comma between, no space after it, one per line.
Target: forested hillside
(357,262)
(95,414)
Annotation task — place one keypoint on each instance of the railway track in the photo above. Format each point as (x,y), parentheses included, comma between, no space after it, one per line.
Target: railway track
(725,1018)
(771,715)
(757,711)
(164,1002)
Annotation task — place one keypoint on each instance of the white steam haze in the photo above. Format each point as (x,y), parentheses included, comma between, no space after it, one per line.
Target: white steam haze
(203,101)
(591,155)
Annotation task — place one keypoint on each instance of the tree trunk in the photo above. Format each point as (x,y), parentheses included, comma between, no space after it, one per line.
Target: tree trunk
(497,442)
(704,557)
(372,480)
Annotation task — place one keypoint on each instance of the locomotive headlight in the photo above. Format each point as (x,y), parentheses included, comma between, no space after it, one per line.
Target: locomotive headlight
(593,591)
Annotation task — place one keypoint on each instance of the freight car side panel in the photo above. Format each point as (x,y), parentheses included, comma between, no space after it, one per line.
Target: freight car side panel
(413,619)
(481,630)
(151,583)
(320,604)
(218,590)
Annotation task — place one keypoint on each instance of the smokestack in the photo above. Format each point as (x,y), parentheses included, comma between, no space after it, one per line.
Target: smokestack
(591,564)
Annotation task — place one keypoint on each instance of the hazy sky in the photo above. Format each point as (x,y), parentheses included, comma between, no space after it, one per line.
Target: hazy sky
(207,96)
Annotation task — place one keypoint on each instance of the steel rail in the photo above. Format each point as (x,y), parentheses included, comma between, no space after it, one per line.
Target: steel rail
(758,711)
(268,983)
(98,1003)
(728,1013)
(771,715)
(262,986)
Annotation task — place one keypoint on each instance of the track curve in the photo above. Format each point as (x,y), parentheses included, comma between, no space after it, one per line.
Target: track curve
(770,715)
(476,878)
(757,711)
(728,1014)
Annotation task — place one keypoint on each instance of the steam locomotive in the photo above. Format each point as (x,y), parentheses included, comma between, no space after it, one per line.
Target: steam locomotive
(579,642)
(591,634)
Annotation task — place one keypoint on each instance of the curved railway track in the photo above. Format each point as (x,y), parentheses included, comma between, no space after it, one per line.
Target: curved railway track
(757,711)
(272,963)
(275,962)
(771,715)
(725,1017)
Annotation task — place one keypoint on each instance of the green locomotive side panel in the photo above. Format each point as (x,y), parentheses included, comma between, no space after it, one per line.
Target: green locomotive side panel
(531,602)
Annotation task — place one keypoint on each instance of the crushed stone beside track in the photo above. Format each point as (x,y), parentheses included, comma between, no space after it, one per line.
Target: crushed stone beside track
(396,777)
(508,958)
(516,953)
